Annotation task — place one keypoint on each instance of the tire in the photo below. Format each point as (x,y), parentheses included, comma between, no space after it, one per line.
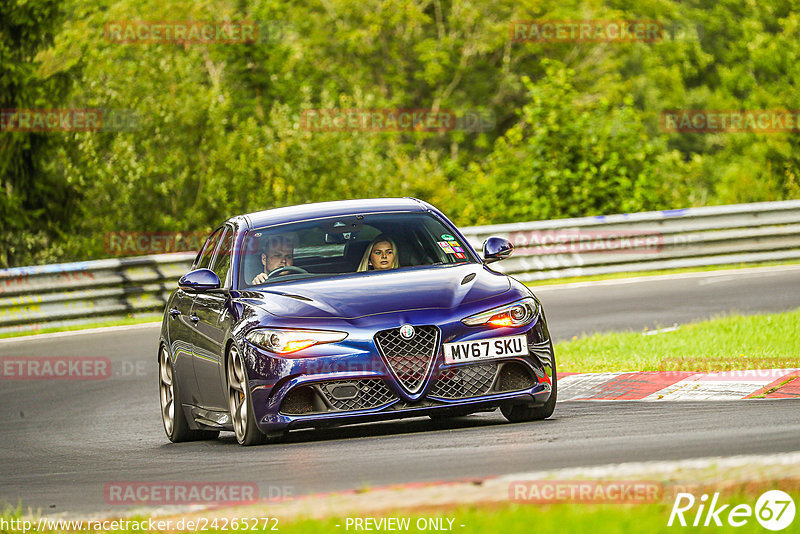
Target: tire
(240,401)
(519,413)
(174,420)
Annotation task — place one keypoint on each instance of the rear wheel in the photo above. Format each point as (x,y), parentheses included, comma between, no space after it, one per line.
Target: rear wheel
(517,413)
(240,402)
(172,415)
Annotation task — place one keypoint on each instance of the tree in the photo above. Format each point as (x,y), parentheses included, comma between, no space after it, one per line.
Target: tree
(35,202)
(570,156)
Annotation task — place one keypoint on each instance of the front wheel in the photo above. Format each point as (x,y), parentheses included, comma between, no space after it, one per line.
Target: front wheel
(172,415)
(240,402)
(518,413)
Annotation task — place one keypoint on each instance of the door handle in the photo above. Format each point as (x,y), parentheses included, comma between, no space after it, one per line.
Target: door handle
(174,312)
(194,319)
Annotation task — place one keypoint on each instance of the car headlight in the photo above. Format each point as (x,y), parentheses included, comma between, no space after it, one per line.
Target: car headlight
(516,314)
(286,341)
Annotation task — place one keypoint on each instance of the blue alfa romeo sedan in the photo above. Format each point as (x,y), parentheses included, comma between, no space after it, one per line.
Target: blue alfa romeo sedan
(347,312)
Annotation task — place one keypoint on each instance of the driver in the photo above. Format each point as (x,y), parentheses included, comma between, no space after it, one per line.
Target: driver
(278,253)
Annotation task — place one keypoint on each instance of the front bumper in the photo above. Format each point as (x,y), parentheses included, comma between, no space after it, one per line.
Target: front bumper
(352,384)
(310,401)
(271,425)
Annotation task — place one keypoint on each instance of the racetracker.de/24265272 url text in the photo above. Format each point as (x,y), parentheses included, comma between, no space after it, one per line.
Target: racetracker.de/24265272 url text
(200,524)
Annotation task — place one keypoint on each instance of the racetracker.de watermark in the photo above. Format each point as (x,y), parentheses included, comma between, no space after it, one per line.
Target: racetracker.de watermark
(180,493)
(138,243)
(395,120)
(182,31)
(68,120)
(730,121)
(359,369)
(722,368)
(573,241)
(586,31)
(585,491)
(69,368)
(55,368)
(125,243)
(757,367)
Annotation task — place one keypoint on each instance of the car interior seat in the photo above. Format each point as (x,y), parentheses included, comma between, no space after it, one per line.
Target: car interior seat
(353,252)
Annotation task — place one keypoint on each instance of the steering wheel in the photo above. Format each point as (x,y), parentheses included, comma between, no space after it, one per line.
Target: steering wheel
(286,270)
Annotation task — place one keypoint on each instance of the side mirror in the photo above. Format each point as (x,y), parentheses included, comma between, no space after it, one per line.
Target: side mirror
(199,280)
(496,249)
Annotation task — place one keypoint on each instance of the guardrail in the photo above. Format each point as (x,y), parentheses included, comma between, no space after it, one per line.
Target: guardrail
(692,237)
(33,298)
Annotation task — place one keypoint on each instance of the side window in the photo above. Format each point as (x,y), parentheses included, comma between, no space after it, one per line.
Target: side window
(222,260)
(208,250)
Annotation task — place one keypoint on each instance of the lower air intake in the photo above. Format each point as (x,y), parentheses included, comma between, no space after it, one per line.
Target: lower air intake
(357,395)
(463,382)
(337,396)
(515,377)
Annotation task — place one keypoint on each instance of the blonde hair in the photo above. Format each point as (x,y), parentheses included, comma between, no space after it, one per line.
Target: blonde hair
(364,265)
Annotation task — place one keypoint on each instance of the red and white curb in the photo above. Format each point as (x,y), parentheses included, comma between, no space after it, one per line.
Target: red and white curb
(680,385)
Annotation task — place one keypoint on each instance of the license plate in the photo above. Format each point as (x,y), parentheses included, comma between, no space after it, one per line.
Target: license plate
(486,349)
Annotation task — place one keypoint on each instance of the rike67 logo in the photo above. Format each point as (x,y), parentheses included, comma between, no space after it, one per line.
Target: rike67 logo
(774,510)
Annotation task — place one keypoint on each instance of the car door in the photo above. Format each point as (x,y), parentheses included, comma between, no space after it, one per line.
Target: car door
(210,311)
(181,331)
(185,326)
(182,328)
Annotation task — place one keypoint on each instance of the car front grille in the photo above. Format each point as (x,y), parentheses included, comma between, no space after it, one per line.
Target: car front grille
(464,381)
(409,360)
(357,394)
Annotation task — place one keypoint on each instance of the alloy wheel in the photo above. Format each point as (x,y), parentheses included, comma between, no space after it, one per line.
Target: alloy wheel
(167,391)
(237,397)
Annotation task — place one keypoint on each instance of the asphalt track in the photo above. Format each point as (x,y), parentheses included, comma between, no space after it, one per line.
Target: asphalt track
(61,442)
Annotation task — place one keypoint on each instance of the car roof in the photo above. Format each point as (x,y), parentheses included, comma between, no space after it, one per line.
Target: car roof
(317,210)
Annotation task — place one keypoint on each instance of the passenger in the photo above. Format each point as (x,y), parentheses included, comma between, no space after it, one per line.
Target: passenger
(380,255)
(278,252)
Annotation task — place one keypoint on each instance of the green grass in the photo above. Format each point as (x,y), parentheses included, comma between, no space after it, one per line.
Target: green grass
(727,343)
(617,276)
(99,324)
(561,518)
(564,518)
(523,519)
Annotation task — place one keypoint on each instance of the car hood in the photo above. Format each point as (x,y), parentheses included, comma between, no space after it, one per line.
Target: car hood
(359,295)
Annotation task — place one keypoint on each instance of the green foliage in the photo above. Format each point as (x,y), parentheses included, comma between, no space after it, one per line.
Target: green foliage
(219,133)
(567,158)
(34,199)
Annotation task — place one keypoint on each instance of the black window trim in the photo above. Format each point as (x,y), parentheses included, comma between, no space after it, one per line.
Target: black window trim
(203,249)
(227,229)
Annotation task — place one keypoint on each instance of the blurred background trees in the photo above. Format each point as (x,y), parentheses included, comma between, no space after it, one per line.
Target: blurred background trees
(35,199)
(217,129)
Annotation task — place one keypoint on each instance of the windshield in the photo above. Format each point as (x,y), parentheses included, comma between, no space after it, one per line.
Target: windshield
(344,245)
